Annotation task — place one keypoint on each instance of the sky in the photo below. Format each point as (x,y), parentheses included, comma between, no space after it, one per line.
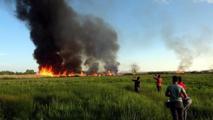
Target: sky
(140,25)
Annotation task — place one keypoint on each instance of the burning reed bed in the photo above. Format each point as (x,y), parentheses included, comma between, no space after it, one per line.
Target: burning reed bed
(105,98)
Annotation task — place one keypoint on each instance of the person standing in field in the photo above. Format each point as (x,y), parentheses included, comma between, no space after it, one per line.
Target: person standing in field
(137,84)
(181,83)
(174,92)
(186,101)
(159,81)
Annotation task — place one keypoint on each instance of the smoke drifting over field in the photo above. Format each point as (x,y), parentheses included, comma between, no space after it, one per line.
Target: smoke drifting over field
(186,47)
(66,40)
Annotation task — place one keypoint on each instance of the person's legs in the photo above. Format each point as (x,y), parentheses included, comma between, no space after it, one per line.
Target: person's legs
(187,104)
(136,89)
(185,113)
(158,88)
(180,113)
(173,111)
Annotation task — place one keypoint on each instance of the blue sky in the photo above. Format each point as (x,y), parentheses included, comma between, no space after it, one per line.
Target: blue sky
(139,24)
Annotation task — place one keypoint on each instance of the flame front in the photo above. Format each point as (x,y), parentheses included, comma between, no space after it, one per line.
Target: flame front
(46,71)
(180,71)
(109,73)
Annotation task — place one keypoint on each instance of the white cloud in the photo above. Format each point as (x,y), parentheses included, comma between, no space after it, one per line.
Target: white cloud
(207,1)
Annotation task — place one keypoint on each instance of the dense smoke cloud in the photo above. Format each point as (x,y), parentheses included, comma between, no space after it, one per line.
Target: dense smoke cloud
(66,40)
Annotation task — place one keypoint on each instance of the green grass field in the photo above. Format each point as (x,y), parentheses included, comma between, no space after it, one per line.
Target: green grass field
(102,98)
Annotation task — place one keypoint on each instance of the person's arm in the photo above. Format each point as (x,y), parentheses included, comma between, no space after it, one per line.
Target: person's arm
(184,93)
(184,86)
(167,93)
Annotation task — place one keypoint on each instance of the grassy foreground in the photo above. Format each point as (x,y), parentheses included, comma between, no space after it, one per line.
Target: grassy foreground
(103,98)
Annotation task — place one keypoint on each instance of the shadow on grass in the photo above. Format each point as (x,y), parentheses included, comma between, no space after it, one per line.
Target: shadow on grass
(12,107)
(200,114)
(41,105)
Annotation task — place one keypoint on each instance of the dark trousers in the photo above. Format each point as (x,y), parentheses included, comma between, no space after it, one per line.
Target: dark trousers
(158,88)
(137,89)
(177,110)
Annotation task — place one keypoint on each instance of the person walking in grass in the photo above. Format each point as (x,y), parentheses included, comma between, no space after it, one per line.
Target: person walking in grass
(186,101)
(159,81)
(181,83)
(174,92)
(137,84)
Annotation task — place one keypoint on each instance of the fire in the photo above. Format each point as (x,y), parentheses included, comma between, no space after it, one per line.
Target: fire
(49,72)
(94,74)
(180,71)
(82,74)
(109,73)
(46,71)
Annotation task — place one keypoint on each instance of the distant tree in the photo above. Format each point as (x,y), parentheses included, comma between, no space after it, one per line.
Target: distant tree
(19,73)
(135,68)
(6,73)
(28,71)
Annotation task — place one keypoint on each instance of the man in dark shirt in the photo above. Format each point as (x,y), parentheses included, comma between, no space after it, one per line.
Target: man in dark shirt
(174,92)
(137,84)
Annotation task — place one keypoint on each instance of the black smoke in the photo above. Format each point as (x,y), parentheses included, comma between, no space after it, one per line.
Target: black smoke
(66,40)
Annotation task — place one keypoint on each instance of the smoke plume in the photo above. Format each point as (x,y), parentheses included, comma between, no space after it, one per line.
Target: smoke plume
(186,47)
(66,40)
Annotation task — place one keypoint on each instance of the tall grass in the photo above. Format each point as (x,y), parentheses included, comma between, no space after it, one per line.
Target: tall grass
(103,98)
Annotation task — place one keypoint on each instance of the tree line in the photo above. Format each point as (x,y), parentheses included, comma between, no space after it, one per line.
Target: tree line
(28,71)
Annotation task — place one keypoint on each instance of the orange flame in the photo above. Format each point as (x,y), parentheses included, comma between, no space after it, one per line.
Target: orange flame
(109,73)
(46,71)
(82,73)
(94,74)
(180,71)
